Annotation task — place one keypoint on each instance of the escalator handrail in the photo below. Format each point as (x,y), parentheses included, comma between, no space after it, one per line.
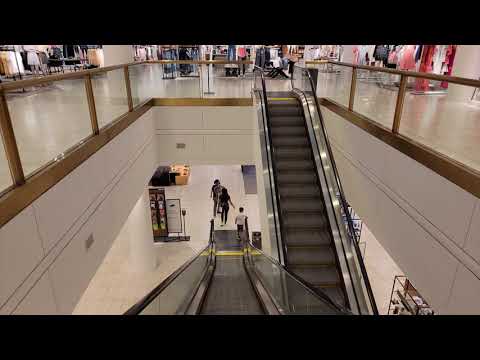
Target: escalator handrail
(266,121)
(318,295)
(147,299)
(351,231)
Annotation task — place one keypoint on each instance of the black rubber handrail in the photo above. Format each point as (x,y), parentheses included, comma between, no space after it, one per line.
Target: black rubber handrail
(266,123)
(147,299)
(351,231)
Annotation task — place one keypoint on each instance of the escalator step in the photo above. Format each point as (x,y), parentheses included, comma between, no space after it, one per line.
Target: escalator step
(335,293)
(294,165)
(299,191)
(287,121)
(314,255)
(290,140)
(304,220)
(288,131)
(307,237)
(289,153)
(285,111)
(297,177)
(292,205)
(317,275)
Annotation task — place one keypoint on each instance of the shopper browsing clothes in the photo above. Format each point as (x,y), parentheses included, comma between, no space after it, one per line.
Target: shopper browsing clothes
(215,195)
(240,221)
(224,203)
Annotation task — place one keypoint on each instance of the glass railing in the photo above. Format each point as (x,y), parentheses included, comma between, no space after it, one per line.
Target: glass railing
(45,120)
(356,282)
(175,298)
(175,295)
(290,296)
(438,112)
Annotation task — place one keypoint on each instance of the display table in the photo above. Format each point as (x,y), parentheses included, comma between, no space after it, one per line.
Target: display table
(182,173)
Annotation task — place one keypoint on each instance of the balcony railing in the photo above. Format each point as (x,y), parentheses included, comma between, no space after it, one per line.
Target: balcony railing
(414,112)
(48,135)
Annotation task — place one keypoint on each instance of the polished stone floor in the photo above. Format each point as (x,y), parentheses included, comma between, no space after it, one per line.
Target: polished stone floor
(50,120)
(381,269)
(116,287)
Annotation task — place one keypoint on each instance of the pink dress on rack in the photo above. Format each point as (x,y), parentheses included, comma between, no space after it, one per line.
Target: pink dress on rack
(355,54)
(407,62)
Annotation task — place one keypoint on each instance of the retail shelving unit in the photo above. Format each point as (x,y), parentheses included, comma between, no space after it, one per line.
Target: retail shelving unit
(406,300)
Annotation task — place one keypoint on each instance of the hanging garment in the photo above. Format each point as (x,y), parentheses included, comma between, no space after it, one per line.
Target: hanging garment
(355,55)
(422,84)
(418,53)
(407,62)
(393,57)
(241,52)
(450,56)
(32,58)
(232,53)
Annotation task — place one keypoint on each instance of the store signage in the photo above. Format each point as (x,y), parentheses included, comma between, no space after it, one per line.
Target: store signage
(174,215)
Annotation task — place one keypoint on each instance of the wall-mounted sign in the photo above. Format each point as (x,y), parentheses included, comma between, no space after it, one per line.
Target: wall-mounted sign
(174,215)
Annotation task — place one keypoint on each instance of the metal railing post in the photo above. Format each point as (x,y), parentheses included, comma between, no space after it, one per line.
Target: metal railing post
(126,75)
(353,85)
(399,105)
(10,144)
(91,104)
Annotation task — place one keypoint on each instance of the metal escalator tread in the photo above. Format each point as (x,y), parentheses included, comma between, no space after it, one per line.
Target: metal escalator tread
(316,275)
(294,165)
(334,292)
(310,252)
(293,153)
(288,130)
(305,237)
(299,191)
(287,120)
(289,140)
(230,291)
(314,255)
(299,205)
(296,177)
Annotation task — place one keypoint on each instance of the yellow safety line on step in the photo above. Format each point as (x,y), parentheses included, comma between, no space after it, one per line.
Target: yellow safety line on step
(280,99)
(229,253)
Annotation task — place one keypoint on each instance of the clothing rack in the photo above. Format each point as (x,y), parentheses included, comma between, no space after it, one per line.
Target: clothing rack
(12,49)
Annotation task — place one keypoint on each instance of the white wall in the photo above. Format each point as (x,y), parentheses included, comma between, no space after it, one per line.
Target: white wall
(211,134)
(45,264)
(428,225)
(117,54)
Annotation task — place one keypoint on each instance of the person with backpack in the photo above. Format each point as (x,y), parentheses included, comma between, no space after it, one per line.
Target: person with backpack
(225,201)
(215,195)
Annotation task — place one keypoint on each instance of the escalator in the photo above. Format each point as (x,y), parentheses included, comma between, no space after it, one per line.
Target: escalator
(231,277)
(310,226)
(310,251)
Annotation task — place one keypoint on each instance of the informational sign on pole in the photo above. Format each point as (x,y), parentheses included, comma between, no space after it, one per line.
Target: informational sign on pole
(174,215)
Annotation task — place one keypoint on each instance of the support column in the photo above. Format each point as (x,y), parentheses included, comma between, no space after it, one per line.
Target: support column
(139,232)
(117,54)
(465,64)
(347,55)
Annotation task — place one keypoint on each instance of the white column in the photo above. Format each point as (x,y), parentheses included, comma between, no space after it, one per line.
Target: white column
(117,54)
(139,231)
(465,64)
(347,56)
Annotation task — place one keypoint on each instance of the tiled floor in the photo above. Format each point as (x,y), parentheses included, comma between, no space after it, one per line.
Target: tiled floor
(48,121)
(380,267)
(115,287)
(450,127)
